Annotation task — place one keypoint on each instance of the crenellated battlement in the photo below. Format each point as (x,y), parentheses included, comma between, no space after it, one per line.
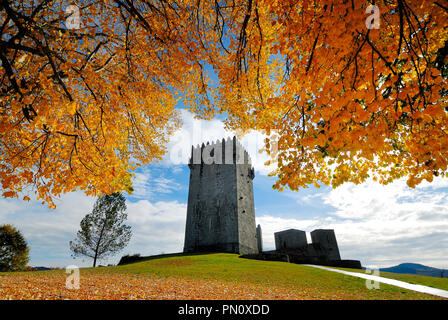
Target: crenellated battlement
(225,151)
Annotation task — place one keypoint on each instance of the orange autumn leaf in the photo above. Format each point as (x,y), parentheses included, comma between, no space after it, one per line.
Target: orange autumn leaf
(82,107)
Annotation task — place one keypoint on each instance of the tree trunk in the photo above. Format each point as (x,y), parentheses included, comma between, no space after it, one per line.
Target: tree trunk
(98,244)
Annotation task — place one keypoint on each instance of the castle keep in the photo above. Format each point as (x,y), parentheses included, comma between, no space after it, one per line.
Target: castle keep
(220,212)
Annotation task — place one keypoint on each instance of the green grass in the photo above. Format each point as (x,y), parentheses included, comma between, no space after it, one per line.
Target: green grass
(307,282)
(229,267)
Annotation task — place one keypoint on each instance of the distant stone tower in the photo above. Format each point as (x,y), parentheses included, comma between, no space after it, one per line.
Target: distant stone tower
(290,239)
(259,239)
(327,240)
(220,212)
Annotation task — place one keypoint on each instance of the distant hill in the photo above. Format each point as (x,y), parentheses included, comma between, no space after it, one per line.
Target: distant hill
(42,268)
(415,268)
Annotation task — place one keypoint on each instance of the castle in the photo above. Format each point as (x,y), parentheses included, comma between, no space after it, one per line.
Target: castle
(221,213)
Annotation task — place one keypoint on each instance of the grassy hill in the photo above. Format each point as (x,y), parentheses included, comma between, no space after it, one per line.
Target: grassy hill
(202,276)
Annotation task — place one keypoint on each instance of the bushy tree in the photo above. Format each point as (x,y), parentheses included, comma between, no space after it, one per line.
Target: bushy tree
(13,249)
(103,232)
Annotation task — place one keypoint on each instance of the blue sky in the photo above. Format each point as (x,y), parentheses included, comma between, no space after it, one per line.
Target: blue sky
(379,225)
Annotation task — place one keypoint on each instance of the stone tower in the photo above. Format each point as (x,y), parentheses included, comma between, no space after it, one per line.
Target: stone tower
(259,239)
(220,212)
(327,240)
(290,239)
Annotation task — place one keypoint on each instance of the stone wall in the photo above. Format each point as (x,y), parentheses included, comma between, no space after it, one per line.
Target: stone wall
(300,259)
(246,209)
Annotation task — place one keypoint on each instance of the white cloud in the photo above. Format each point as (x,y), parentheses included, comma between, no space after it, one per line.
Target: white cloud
(48,232)
(164,185)
(156,227)
(147,186)
(308,198)
(195,132)
(380,225)
(270,225)
(141,184)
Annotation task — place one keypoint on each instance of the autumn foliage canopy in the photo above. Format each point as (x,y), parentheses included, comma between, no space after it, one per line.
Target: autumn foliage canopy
(349,96)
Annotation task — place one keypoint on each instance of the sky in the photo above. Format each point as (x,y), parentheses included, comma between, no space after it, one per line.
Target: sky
(379,225)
